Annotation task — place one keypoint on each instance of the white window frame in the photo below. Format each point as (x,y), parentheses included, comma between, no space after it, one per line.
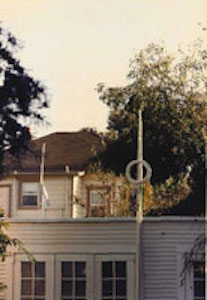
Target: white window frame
(99,189)
(36,193)
(74,258)
(49,280)
(185,291)
(93,272)
(130,268)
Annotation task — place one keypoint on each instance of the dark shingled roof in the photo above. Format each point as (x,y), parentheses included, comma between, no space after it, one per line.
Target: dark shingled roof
(75,149)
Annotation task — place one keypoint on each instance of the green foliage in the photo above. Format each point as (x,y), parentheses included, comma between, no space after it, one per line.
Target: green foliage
(166,195)
(22,98)
(172,93)
(7,242)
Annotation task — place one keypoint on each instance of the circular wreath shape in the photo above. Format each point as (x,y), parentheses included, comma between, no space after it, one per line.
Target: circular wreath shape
(138,162)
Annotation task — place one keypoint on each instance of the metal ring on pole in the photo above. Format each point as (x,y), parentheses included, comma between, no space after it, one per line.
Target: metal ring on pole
(138,162)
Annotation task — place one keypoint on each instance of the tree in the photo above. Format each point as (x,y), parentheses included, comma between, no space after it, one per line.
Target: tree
(22,98)
(172,93)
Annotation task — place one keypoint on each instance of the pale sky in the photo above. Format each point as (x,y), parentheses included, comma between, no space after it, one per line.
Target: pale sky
(72,45)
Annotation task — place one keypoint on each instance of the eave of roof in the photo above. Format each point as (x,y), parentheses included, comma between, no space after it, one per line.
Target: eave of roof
(72,149)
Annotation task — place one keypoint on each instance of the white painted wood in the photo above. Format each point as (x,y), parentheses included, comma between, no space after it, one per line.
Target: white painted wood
(162,260)
(58,192)
(5,199)
(130,268)
(3,278)
(49,288)
(164,241)
(89,272)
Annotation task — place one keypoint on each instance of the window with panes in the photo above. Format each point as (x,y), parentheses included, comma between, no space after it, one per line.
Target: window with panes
(199,280)
(33,281)
(30,194)
(114,280)
(73,280)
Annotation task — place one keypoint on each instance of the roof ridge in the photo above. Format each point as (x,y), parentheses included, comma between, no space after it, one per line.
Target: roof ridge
(67,132)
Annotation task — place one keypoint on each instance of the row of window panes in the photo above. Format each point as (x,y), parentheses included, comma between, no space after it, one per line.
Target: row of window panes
(114,269)
(71,288)
(31,191)
(73,280)
(33,280)
(73,269)
(199,280)
(114,282)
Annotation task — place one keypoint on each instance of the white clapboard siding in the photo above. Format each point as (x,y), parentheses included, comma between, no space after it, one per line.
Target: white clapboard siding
(70,236)
(5,196)
(3,278)
(59,192)
(161,240)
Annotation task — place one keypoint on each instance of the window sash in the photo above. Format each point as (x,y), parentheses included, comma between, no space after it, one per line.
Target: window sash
(29,283)
(30,194)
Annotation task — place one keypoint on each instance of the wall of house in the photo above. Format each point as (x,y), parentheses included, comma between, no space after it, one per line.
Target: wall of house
(3,277)
(82,184)
(6,195)
(164,243)
(68,195)
(79,198)
(59,190)
(164,239)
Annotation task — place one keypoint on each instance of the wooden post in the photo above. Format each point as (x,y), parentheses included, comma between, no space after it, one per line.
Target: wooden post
(139,211)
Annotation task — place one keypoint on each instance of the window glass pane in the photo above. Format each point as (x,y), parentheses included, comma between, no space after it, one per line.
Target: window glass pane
(80,287)
(106,269)
(26,287)
(30,192)
(121,287)
(29,200)
(199,288)
(120,269)
(199,270)
(66,269)
(107,288)
(26,269)
(39,269)
(80,269)
(39,287)
(66,288)
(97,197)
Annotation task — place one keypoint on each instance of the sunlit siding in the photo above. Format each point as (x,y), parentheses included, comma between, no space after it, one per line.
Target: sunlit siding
(59,192)
(5,195)
(76,236)
(163,242)
(3,278)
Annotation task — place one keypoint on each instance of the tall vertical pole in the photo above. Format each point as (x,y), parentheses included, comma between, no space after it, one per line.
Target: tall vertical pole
(205,174)
(139,210)
(140,166)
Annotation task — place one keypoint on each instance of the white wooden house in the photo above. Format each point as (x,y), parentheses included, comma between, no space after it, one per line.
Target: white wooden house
(82,257)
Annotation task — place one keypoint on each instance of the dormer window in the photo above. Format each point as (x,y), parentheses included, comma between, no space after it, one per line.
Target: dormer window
(98,202)
(97,197)
(30,194)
